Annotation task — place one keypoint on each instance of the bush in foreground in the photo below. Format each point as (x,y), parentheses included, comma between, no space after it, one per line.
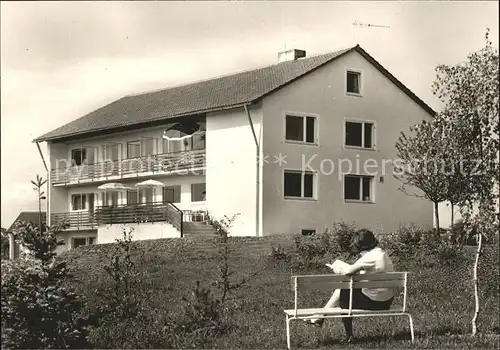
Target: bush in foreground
(38,311)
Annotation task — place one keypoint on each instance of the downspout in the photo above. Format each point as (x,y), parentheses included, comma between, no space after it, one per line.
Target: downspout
(257,197)
(41,155)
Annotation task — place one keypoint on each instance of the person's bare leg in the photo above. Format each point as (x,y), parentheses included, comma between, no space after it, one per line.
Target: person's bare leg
(333,302)
(348,327)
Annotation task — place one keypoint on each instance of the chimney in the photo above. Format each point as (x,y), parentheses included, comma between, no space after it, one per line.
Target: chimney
(290,55)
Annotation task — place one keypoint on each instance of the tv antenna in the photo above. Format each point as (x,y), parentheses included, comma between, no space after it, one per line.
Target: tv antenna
(361,24)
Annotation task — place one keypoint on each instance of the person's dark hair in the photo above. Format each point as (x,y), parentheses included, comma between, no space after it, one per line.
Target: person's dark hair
(363,240)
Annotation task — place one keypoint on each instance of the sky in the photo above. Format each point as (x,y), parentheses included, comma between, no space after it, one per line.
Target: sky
(61,60)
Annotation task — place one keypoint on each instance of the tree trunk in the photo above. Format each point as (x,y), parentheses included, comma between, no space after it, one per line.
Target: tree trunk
(476,284)
(39,212)
(452,214)
(436,214)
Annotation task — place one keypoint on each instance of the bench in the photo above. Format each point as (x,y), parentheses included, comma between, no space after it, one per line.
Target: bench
(331,282)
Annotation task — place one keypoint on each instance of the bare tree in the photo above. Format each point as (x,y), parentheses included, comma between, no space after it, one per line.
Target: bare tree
(470,92)
(38,184)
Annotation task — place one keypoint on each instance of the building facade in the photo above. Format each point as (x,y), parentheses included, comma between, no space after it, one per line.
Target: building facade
(290,148)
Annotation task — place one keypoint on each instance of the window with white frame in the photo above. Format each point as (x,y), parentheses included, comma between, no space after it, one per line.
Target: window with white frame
(358,188)
(111,199)
(353,82)
(198,192)
(82,241)
(134,149)
(82,201)
(300,128)
(359,134)
(83,155)
(299,184)
(147,195)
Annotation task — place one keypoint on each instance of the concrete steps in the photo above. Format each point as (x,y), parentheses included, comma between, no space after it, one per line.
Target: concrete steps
(198,229)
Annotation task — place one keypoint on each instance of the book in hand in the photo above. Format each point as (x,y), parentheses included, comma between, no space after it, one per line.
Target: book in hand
(338,266)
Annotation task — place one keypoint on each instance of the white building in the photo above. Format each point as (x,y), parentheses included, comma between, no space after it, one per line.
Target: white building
(259,143)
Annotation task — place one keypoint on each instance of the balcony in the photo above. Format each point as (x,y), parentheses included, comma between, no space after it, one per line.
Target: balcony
(140,213)
(77,220)
(119,215)
(159,164)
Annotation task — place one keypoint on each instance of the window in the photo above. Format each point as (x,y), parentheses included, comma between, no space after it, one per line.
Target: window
(132,197)
(298,184)
(198,192)
(111,152)
(306,232)
(172,194)
(78,201)
(111,198)
(82,201)
(359,134)
(300,129)
(78,156)
(358,188)
(148,147)
(141,148)
(353,83)
(147,195)
(83,241)
(133,149)
(83,155)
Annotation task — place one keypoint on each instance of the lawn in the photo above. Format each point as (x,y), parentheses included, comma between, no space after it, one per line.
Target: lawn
(440,295)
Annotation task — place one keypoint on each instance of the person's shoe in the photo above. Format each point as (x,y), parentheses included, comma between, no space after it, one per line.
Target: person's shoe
(315,322)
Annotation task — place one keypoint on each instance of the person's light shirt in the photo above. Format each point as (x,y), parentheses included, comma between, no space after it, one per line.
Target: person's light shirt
(376,261)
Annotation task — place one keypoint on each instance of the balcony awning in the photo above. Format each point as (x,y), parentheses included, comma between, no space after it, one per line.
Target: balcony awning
(114,187)
(182,130)
(150,184)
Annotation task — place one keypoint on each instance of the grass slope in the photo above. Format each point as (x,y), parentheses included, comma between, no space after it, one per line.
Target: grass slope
(440,296)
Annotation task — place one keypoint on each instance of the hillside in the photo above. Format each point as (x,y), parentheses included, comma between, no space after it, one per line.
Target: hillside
(440,295)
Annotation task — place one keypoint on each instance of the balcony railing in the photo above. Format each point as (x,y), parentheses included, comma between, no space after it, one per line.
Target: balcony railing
(140,213)
(133,167)
(77,220)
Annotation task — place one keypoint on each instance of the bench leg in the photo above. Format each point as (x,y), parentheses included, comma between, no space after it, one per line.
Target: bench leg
(288,332)
(411,328)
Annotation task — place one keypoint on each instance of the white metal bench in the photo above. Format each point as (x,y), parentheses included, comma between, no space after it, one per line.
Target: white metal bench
(332,282)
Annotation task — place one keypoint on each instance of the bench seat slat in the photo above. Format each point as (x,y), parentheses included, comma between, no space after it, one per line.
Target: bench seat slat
(387,276)
(379,284)
(339,311)
(324,284)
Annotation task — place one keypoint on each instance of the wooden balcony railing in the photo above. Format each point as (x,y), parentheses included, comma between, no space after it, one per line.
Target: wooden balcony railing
(78,220)
(134,167)
(140,213)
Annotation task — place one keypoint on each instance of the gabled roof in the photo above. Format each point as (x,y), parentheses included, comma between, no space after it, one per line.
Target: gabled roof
(205,96)
(28,216)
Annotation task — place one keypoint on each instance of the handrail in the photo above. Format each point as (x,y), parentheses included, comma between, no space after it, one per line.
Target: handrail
(157,163)
(140,213)
(181,213)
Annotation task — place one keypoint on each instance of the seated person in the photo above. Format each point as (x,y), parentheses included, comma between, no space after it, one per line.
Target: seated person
(372,260)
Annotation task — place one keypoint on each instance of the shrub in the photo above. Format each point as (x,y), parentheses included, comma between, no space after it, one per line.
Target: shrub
(459,235)
(127,298)
(310,249)
(38,311)
(279,254)
(342,234)
(201,311)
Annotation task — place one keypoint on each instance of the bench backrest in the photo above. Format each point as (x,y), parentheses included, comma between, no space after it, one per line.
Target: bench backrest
(331,282)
